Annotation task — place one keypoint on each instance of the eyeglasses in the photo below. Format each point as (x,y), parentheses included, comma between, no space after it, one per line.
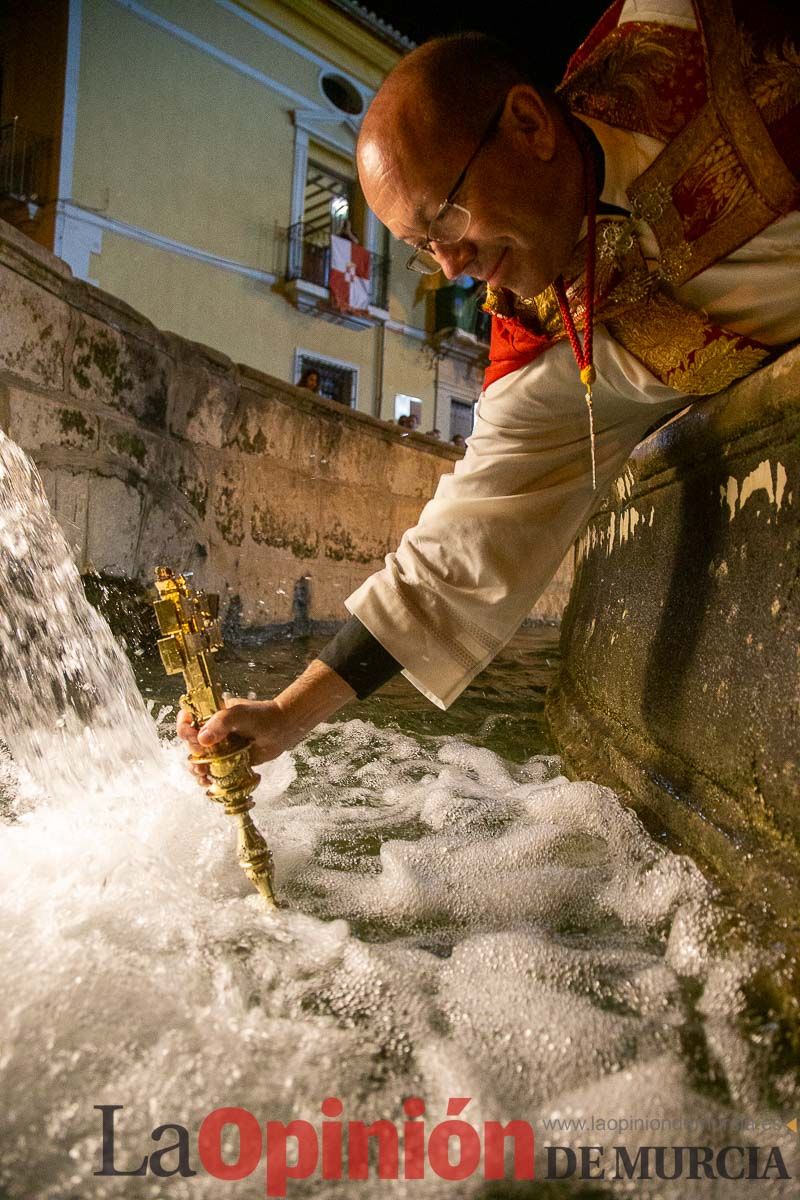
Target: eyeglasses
(451,221)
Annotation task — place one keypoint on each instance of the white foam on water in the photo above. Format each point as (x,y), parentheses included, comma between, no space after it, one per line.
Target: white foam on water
(456,926)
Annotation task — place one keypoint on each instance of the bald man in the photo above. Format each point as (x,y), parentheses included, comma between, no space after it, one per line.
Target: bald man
(651,203)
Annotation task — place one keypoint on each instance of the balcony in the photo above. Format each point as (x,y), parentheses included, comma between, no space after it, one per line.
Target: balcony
(307,279)
(24,163)
(461,330)
(459,319)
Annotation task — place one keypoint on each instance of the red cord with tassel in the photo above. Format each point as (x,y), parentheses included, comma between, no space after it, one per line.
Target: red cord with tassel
(583,354)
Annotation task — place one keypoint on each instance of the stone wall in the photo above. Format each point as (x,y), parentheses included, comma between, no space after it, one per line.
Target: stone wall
(155,449)
(679,677)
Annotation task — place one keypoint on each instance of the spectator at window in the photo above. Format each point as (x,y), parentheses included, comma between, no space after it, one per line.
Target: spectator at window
(459,441)
(309,379)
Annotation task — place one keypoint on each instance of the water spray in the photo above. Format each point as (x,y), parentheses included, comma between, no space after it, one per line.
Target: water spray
(189,621)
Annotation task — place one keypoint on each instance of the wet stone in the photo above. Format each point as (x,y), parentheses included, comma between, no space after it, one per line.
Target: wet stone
(50,424)
(68,497)
(114,516)
(120,371)
(188,475)
(168,535)
(202,406)
(34,327)
(269,527)
(127,448)
(228,509)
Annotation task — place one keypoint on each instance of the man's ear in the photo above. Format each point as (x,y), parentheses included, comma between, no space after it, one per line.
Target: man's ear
(527,115)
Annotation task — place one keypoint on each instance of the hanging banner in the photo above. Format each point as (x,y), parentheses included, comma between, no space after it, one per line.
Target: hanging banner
(351,265)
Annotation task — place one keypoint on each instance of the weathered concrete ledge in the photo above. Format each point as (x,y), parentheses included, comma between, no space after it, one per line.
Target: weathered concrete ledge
(680,679)
(156,449)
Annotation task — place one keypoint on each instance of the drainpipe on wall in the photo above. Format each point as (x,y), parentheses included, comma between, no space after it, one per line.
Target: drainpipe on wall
(436,415)
(377,399)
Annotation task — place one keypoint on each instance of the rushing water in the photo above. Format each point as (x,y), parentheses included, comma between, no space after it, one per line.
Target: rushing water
(460,920)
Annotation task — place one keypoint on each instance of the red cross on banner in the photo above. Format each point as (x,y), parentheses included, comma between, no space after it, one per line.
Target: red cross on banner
(350,275)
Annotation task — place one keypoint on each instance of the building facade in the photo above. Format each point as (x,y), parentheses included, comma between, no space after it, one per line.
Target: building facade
(196,159)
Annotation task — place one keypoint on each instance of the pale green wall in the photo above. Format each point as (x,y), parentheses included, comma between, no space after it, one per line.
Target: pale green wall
(210,303)
(407,370)
(176,143)
(403,304)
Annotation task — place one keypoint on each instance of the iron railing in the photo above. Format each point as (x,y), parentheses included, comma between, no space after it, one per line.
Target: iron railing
(457,307)
(309,258)
(24,160)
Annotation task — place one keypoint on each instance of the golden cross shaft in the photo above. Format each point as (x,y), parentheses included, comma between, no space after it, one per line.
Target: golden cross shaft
(189,621)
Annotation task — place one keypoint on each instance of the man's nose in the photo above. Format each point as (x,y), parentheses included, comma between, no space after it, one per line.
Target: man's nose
(454,257)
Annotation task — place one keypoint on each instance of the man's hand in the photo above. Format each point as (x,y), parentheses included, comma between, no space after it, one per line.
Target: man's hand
(271,725)
(257,720)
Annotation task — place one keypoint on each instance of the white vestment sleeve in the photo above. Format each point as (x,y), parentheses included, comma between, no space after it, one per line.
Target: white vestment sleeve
(464,578)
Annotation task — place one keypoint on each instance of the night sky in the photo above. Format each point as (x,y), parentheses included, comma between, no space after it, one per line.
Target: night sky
(563,27)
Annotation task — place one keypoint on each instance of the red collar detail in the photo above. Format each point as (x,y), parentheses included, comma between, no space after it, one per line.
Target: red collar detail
(512,346)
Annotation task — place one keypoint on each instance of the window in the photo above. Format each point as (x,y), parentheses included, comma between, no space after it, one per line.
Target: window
(327,208)
(462,418)
(328,200)
(407,406)
(337,381)
(342,94)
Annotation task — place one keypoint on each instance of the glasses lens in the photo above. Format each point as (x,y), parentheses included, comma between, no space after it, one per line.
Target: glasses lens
(423,262)
(449,225)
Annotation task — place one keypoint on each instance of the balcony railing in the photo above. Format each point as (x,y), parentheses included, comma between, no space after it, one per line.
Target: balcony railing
(459,308)
(24,160)
(309,259)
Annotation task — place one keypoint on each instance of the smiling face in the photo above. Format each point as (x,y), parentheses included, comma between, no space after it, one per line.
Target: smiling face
(524,188)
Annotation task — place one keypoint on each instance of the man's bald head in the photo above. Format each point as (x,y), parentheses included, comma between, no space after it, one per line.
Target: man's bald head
(442,94)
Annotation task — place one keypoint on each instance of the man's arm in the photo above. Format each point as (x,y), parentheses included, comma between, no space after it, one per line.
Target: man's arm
(351,666)
(359,658)
(466,575)
(464,578)
(272,725)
